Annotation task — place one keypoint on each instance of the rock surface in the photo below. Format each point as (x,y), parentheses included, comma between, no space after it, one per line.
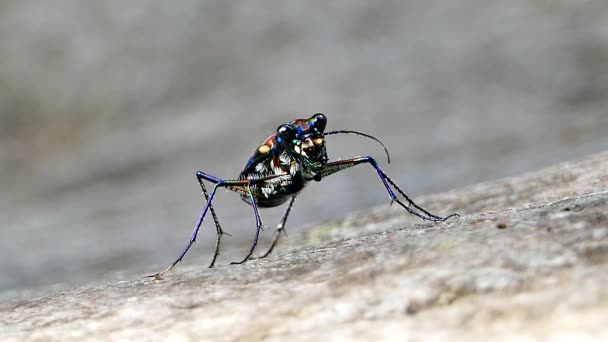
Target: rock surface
(527,260)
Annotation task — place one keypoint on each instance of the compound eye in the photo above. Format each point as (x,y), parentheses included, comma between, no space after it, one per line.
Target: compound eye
(318,122)
(285,133)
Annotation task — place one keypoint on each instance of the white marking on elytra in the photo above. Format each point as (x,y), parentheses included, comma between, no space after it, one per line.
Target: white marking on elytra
(267,191)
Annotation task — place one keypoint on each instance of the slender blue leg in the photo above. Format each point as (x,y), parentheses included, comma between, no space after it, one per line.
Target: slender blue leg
(336,166)
(200,176)
(259,226)
(241,186)
(280,229)
(208,206)
(192,237)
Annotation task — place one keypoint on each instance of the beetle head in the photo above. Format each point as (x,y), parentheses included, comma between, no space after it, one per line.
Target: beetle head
(304,139)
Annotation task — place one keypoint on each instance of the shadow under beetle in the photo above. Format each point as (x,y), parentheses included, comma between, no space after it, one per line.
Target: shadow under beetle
(279,169)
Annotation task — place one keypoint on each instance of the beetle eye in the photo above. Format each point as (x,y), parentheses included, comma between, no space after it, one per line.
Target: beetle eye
(319,121)
(286,133)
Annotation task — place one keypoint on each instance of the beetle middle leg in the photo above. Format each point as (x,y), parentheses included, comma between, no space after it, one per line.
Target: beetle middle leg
(280,229)
(258,222)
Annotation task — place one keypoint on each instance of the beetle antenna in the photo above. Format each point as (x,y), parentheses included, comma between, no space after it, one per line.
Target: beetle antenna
(388,157)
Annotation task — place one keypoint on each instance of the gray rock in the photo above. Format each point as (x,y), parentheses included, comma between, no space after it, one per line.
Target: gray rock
(527,260)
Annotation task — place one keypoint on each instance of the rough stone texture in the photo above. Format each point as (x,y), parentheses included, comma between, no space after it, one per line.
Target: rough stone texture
(528,260)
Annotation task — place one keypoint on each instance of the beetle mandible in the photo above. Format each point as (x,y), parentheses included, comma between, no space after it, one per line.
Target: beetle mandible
(279,169)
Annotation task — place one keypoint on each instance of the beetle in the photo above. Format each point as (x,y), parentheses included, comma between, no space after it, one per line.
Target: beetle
(279,169)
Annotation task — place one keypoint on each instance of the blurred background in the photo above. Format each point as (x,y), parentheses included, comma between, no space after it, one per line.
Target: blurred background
(107,109)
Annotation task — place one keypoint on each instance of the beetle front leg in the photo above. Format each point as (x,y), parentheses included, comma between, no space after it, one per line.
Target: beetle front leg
(340,165)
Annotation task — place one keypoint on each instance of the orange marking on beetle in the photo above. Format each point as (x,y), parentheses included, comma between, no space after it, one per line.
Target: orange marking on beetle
(263,148)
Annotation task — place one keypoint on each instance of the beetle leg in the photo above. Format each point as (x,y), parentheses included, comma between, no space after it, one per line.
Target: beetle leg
(336,166)
(259,226)
(218,182)
(200,177)
(240,185)
(280,229)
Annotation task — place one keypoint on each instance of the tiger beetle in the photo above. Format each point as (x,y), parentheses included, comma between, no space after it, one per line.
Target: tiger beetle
(279,169)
